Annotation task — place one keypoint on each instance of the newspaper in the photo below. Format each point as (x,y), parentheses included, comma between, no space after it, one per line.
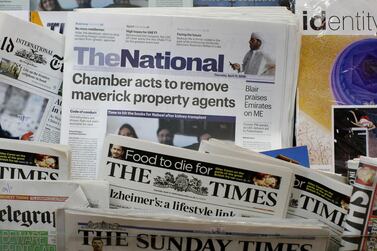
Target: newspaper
(361,222)
(34,161)
(191,90)
(14,5)
(147,175)
(352,166)
(38,5)
(314,195)
(27,216)
(31,70)
(55,18)
(117,230)
(96,191)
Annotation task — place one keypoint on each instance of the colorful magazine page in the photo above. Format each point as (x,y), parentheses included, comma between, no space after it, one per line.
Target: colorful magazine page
(335,69)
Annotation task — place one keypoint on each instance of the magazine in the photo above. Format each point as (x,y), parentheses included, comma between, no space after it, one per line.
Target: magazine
(34,161)
(147,175)
(338,41)
(314,195)
(31,70)
(27,216)
(180,96)
(115,230)
(360,224)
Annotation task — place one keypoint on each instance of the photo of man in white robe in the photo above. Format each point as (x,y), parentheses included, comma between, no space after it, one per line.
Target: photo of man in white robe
(255,62)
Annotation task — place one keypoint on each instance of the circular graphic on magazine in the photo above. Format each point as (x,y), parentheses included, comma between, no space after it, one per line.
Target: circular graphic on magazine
(354,74)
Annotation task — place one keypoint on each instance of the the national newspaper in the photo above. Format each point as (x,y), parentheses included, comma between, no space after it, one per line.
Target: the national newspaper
(148,175)
(187,75)
(31,72)
(116,230)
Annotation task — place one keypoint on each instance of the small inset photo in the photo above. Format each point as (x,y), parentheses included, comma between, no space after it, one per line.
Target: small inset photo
(181,130)
(354,134)
(9,68)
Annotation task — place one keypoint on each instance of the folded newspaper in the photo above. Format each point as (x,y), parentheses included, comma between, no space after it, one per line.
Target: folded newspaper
(27,212)
(96,191)
(360,225)
(175,77)
(34,161)
(31,71)
(147,175)
(314,195)
(115,230)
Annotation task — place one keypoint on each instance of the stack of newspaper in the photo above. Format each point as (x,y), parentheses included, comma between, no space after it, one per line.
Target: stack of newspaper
(228,182)
(127,230)
(174,78)
(31,73)
(314,195)
(171,76)
(148,175)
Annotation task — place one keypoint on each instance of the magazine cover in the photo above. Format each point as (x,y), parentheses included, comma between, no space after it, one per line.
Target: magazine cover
(336,68)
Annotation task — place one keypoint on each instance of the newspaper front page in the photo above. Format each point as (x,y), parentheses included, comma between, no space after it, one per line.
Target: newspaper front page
(31,71)
(170,80)
(361,223)
(116,230)
(33,160)
(147,175)
(27,216)
(314,195)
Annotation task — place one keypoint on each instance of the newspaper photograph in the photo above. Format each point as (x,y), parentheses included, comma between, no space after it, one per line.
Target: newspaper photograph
(113,77)
(31,70)
(147,175)
(27,216)
(181,130)
(87,230)
(361,222)
(34,161)
(314,195)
